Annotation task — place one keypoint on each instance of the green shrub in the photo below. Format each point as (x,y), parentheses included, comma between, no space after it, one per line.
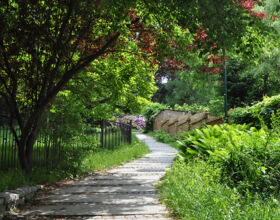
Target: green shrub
(193,190)
(194,108)
(248,159)
(150,111)
(216,106)
(257,114)
(203,142)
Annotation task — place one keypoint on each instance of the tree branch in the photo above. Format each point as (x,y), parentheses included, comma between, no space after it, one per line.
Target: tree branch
(83,63)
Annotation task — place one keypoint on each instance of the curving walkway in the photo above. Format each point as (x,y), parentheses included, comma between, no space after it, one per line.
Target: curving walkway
(126,192)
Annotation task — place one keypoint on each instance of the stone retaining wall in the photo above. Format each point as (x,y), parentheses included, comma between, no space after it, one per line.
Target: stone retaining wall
(14,198)
(175,122)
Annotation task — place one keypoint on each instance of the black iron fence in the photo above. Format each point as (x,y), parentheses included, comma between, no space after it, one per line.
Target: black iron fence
(49,149)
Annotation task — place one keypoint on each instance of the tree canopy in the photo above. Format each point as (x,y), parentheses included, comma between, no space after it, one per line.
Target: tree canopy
(49,46)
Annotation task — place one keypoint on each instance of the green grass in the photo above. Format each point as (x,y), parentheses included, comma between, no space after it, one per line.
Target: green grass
(78,163)
(105,159)
(193,191)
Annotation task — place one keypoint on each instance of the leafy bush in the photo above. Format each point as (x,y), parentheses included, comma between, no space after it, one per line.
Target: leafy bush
(190,108)
(226,172)
(216,106)
(193,190)
(257,114)
(138,122)
(248,159)
(150,111)
(205,141)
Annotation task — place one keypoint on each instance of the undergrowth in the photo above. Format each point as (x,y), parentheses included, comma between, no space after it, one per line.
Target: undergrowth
(193,191)
(226,172)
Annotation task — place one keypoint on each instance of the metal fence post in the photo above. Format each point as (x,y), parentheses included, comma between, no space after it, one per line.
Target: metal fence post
(130,132)
(102,134)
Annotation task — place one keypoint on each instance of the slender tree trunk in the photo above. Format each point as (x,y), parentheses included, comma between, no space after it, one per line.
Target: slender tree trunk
(265,84)
(27,140)
(26,144)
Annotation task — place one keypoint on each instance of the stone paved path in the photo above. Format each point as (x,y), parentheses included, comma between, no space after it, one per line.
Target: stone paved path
(126,192)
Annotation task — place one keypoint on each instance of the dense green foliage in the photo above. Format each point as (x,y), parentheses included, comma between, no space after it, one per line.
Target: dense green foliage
(248,84)
(226,172)
(252,63)
(248,158)
(79,162)
(193,190)
(257,114)
(150,112)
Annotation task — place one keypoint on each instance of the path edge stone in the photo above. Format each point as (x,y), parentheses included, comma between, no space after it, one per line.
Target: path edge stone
(14,198)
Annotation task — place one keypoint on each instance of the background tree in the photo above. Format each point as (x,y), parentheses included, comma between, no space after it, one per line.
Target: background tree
(44,44)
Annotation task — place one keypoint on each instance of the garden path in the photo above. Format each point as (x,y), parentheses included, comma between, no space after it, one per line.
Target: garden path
(125,192)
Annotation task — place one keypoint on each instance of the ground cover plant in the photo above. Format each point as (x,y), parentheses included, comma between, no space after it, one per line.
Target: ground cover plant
(77,163)
(226,172)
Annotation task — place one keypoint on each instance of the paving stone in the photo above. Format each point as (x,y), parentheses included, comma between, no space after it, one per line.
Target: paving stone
(104,189)
(141,169)
(104,198)
(124,177)
(130,174)
(95,210)
(126,192)
(131,217)
(110,182)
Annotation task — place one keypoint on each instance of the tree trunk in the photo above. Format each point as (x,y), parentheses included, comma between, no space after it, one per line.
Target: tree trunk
(26,144)
(27,140)
(265,84)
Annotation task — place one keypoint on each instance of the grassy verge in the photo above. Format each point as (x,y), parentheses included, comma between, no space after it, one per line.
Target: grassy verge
(77,163)
(224,172)
(193,191)
(164,137)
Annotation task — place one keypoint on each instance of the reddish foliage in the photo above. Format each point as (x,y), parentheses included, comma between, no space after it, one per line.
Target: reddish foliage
(249,5)
(144,37)
(200,34)
(211,70)
(174,65)
(214,59)
(274,17)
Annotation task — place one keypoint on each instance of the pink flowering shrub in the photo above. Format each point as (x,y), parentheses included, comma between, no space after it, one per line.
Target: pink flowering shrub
(138,122)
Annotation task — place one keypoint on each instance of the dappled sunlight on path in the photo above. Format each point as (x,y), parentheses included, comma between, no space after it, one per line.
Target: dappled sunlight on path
(125,192)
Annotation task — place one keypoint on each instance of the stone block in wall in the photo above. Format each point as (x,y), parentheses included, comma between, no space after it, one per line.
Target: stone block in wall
(9,199)
(175,122)
(17,197)
(164,125)
(212,120)
(198,117)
